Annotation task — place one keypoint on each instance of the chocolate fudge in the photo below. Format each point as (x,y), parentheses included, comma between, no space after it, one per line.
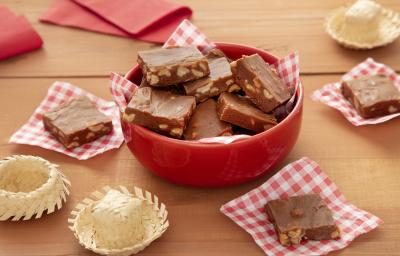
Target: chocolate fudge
(169,66)
(372,96)
(160,111)
(260,82)
(77,122)
(175,89)
(218,81)
(205,123)
(240,111)
(234,87)
(302,217)
(216,53)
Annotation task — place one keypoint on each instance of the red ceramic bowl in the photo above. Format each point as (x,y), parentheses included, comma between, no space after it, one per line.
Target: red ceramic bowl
(215,165)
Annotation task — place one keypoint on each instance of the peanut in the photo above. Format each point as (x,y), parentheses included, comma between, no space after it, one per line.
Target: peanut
(214,90)
(204,89)
(335,234)
(164,72)
(129,117)
(182,71)
(96,128)
(163,126)
(229,82)
(203,66)
(154,80)
(197,73)
(256,83)
(73,144)
(249,88)
(176,132)
(234,88)
(90,135)
(283,239)
(267,94)
(392,109)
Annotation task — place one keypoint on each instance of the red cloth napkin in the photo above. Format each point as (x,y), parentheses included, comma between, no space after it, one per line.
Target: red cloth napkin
(17,35)
(148,20)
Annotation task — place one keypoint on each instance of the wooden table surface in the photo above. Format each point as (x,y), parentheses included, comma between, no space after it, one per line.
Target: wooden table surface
(363,161)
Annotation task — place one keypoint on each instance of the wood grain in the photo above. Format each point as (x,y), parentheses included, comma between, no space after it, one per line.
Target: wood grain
(362,161)
(280,26)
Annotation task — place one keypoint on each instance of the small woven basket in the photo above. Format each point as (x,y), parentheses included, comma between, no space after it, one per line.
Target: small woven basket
(30,185)
(153,215)
(388,30)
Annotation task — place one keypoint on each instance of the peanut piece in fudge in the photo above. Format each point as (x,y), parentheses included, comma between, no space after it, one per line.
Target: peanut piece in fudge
(372,96)
(205,123)
(77,122)
(302,217)
(241,112)
(219,81)
(169,66)
(175,89)
(260,82)
(160,111)
(216,53)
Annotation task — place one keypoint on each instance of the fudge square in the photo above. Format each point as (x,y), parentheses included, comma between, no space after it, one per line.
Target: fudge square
(160,111)
(260,82)
(169,66)
(205,123)
(372,96)
(241,112)
(302,217)
(77,122)
(218,81)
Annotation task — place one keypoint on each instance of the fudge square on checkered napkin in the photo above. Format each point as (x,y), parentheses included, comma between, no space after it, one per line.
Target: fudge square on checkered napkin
(332,96)
(301,177)
(34,133)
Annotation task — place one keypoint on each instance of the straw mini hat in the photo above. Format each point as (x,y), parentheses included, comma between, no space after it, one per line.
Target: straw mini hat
(117,222)
(363,25)
(30,185)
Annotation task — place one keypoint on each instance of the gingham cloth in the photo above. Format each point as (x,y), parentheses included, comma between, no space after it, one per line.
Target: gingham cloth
(301,177)
(188,34)
(331,94)
(33,132)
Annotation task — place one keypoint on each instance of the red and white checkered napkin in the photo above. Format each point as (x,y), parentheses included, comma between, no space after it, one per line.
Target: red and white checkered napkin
(301,177)
(33,132)
(188,34)
(331,94)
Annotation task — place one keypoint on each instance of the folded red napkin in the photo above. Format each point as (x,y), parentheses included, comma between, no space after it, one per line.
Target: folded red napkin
(17,35)
(148,20)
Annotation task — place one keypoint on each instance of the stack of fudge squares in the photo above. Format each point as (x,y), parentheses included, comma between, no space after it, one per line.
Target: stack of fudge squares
(185,94)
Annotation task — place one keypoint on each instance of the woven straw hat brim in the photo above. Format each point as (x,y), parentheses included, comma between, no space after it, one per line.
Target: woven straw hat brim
(156,221)
(49,193)
(389,30)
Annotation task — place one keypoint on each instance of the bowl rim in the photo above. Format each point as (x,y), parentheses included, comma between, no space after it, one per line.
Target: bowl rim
(155,136)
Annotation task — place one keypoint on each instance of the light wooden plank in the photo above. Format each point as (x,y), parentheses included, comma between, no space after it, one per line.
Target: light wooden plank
(362,161)
(280,26)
